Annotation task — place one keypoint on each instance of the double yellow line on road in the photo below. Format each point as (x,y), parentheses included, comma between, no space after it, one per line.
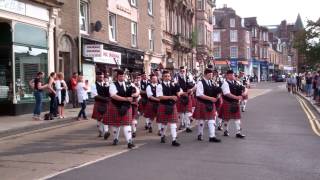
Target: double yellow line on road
(315,125)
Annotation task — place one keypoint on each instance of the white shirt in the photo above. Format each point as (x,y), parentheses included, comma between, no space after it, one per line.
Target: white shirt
(149,91)
(81,92)
(113,89)
(159,91)
(200,89)
(225,88)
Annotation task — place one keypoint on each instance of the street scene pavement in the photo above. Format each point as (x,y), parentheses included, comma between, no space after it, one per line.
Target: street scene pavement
(280,144)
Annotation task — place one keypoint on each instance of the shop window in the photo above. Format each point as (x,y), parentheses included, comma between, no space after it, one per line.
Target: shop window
(84,20)
(35,36)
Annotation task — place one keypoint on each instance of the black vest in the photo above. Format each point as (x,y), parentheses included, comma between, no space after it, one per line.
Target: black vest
(169,91)
(235,89)
(154,91)
(102,90)
(143,85)
(185,85)
(122,93)
(211,91)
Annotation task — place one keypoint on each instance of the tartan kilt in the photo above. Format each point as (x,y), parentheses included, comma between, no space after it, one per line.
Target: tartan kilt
(194,101)
(225,113)
(95,113)
(182,108)
(141,107)
(134,111)
(149,112)
(163,118)
(113,118)
(218,105)
(200,112)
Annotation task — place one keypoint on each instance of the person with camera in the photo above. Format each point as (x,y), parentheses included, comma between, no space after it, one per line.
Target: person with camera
(184,102)
(120,112)
(233,93)
(168,94)
(207,94)
(100,92)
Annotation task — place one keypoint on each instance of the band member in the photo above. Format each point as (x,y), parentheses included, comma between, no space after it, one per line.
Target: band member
(153,103)
(216,80)
(207,94)
(120,112)
(168,94)
(232,94)
(100,92)
(134,104)
(143,94)
(184,103)
(244,81)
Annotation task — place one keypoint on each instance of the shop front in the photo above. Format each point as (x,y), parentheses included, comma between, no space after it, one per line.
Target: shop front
(234,65)
(26,47)
(264,71)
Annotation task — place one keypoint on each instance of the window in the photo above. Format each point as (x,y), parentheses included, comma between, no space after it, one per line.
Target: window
(247,36)
(233,52)
(133,3)
(200,34)
(217,52)
(84,21)
(213,20)
(151,40)
(200,4)
(216,36)
(133,34)
(248,53)
(150,7)
(112,27)
(233,36)
(232,22)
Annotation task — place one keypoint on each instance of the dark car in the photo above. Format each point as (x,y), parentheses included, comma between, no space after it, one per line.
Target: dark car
(279,78)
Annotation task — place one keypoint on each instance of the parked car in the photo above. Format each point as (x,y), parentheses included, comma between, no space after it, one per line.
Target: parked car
(279,78)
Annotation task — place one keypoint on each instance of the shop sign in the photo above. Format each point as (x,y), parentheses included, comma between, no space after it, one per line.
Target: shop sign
(93,50)
(13,6)
(288,68)
(109,57)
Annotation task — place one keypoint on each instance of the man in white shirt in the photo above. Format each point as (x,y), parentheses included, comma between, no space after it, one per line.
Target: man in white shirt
(230,110)
(168,94)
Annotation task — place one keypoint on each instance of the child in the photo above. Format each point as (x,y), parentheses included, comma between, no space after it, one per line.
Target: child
(82,96)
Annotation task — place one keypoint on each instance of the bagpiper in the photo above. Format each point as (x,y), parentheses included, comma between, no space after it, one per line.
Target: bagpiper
(230,109)
(244,81)
(143,96)
(151,109)
(207,94)
(184,103)
(119,113)
(135,105)
(168,93)
(100,92)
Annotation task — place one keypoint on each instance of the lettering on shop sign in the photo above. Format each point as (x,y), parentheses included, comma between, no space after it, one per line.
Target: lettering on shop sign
(123,9)
(13,6)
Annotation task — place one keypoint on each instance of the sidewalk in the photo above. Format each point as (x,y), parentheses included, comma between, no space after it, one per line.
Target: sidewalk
(311,101)
(11,125)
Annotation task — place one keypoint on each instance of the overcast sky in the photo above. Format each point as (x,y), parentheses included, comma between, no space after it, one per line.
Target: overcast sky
(272,12)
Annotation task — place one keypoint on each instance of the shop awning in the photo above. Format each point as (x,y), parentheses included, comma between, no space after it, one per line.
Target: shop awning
(226,62)
(243,62)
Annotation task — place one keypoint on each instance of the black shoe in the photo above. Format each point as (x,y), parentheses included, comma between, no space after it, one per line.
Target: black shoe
(163,139)
(240,136)
(219,128)
(134,135)
(146,127)
(175,143)
(200,137)
(159,133)
(115,142)
(100,134)
(225,133)
(188,130)
(131,145)
(106,136)
(214,140)
(150,129)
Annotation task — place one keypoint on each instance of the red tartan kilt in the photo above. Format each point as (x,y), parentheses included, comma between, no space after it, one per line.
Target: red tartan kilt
(134,111)
(200,112)
(149,112)
(164,118)
(218,105)
(194,101)
(95,114)
(112,117)
(141,107)
(225,113)
(184,108)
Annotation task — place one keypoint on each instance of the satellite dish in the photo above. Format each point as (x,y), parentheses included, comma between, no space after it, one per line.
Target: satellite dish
(97,26)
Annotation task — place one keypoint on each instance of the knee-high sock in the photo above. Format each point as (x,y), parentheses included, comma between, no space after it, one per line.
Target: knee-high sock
(219,122)
(100,126)
(238,125)
(163,130)
(147,121)
(200,127)
(244,104)
(226,125)
(134,125)
(159,126)
(173,128)
(212,128)
(116,132)
(105,128)
(127,133)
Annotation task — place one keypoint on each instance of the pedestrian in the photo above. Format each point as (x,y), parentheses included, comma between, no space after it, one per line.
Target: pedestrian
(73,91)
(62,95)
(205,111)
(38,88)
(53,110)
(168,94)
(309,84)
(82,95)
(230,110)
(120,112)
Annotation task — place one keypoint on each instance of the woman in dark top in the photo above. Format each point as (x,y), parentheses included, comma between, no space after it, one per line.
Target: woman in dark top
(38,91)
(308,84)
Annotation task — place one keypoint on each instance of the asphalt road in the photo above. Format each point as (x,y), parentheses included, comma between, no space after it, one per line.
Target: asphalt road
(279,145)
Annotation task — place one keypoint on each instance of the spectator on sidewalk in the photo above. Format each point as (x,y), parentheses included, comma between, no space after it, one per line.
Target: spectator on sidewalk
(62,95)
(38,93)
(303,83)
(298,79)
(289,84)
(314,85)
(309,84)
(73,91)
(82,94)
(293,84)
(52,94)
